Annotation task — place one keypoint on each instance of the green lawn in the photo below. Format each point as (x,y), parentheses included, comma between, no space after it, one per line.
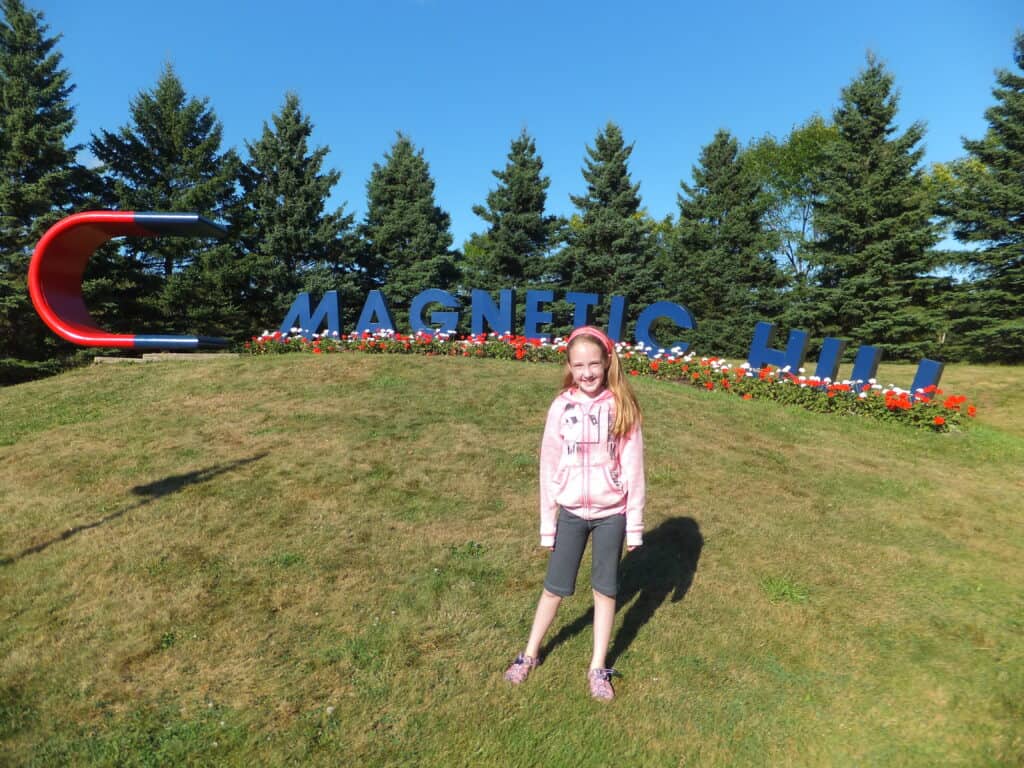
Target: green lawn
(330,560)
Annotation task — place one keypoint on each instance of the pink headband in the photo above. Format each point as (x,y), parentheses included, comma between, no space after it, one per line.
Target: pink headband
(589,330)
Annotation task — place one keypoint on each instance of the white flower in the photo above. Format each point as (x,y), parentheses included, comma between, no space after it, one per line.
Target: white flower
(802,370)
(862,395)
(871,381)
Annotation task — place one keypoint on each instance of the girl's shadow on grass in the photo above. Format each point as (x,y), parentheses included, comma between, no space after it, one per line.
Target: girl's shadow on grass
(663,566)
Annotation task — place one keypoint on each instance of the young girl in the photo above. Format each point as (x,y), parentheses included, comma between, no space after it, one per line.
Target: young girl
(591,484)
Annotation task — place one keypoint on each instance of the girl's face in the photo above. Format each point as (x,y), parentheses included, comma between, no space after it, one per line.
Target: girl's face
(588,366)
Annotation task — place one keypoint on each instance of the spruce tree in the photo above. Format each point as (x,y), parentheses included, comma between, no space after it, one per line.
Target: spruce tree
(291,243)
(513,252)
(169,159)
(725,271)
(987,211)
(610,242)
(406,235)
(876,239)
(40,180)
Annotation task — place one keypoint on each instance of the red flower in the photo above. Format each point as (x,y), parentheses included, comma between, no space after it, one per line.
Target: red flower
(748,396)
(938,421)
(634,373)
(654,366)
(709,385)
(520,353)
(971,411)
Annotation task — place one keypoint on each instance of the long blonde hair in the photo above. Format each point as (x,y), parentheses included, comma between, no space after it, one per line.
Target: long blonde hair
(627,408)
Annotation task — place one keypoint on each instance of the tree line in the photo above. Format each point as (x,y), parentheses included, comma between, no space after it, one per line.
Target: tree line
(834,228)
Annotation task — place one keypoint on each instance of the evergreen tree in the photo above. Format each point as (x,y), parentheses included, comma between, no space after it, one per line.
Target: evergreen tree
(291,243)
(987,210)
(725,271)
(513,252)
(875,246)
(169,159)
(40,180)
(611,244)
(406,235)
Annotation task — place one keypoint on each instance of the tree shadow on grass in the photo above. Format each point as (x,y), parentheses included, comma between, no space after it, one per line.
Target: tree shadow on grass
(150,493)
(664,566)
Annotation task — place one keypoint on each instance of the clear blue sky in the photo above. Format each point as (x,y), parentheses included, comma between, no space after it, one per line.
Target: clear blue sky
(462,77)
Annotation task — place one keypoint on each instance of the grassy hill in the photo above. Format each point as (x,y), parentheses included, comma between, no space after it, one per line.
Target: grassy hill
(330,560)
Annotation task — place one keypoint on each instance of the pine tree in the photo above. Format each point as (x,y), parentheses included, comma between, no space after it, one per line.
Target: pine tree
(876,240)
(169,159)
(611,244)
(291,243)
(406,235)
(513,252)
(988,210)
(40,180)
(725,272)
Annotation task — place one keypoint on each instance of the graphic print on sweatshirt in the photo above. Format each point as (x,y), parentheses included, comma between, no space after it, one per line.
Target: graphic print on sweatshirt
(587,430)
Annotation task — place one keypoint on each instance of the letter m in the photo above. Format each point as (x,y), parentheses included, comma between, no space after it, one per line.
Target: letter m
(300,317)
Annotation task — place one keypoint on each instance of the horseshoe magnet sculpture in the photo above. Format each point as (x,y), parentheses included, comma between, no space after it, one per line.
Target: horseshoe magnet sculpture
(58,263)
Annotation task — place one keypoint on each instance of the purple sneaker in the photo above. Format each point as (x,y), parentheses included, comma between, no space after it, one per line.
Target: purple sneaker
(601,684)
(519,669)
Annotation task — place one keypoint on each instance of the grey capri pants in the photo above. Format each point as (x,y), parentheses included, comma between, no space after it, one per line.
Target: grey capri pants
(570,540)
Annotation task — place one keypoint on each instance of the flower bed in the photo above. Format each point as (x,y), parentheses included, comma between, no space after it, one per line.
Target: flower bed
(928,408)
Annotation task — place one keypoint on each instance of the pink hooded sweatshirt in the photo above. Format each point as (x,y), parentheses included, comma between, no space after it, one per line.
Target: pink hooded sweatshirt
(586,469)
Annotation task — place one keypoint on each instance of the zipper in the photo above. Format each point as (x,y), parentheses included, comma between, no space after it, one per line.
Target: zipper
(586,463)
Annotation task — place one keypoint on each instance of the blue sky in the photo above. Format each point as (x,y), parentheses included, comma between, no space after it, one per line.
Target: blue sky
(463,78)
